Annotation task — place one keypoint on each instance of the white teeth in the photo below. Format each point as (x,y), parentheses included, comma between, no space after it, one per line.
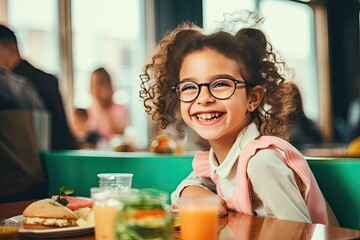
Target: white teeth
(208,116)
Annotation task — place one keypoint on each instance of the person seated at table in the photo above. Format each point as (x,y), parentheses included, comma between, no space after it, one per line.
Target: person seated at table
(229,88)
(85,137)
(105,117)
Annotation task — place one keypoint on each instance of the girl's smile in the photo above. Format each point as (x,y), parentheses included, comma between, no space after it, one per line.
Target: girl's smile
(206,118)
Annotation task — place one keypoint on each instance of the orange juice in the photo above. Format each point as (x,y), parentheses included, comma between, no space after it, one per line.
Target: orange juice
(198,222)
(104,222)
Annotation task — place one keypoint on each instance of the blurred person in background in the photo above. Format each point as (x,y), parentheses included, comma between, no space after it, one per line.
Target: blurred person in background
(21,174)
(46,85)
(85,137)
(17,92)
(353,135)
(354,120)
(105,117)
(303,131)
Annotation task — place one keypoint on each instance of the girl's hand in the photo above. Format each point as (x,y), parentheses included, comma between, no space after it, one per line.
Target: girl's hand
(196,191)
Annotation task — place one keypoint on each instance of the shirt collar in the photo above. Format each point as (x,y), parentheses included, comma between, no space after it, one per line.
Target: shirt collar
(248,134)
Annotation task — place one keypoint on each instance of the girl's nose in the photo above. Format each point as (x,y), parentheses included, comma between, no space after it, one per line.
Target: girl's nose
(204,96)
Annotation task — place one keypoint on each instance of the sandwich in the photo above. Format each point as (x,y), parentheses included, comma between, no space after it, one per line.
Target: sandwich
(82,207)
(47,214)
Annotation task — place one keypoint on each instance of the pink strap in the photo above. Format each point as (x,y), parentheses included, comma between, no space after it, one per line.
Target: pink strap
(294,159)
(201,165)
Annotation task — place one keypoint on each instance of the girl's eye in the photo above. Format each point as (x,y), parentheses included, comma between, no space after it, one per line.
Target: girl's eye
(187,87)
(222,83)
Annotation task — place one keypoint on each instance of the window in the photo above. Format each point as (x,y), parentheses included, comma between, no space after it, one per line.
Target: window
(214,10)
(37,38)
(291,36)
(106,33)
(109,34)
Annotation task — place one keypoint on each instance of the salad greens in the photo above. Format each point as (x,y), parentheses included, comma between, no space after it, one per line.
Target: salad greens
(64,191)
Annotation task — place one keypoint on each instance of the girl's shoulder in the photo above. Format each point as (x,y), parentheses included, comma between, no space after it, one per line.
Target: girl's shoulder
(271,143)
(264,142)
(270,139)
(265,161)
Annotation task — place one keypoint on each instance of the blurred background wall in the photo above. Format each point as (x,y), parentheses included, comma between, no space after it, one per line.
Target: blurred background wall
(319,39)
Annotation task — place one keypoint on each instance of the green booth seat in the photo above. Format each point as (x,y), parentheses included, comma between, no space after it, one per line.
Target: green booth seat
(338,178)
(79,169)
(339,181)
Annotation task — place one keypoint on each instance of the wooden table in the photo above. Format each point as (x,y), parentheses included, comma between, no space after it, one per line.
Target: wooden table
(237,226)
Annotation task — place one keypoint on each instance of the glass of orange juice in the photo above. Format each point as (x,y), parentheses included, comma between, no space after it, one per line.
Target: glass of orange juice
(106,205)
(198,218)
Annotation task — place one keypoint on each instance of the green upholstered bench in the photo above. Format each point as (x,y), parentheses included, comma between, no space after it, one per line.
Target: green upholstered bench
(78,169)
(339,181)
(338,178)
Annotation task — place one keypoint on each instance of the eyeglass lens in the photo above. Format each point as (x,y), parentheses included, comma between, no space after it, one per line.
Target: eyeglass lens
(219,88)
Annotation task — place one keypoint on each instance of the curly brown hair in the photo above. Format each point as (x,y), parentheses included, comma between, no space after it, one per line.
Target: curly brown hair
(258,64)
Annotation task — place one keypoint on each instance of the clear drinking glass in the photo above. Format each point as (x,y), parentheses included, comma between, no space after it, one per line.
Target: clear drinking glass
(115,181)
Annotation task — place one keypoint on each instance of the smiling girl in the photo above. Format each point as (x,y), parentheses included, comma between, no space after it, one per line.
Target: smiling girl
(230,89)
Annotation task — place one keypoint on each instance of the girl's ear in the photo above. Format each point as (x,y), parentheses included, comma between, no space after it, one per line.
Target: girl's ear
(255,98)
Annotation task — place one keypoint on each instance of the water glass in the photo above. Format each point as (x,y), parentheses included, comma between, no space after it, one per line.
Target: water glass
(115,181)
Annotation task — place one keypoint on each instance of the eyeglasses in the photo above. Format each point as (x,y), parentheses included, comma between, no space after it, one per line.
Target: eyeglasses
(221,88)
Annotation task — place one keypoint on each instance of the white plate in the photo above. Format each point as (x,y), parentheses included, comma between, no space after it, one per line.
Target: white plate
(51,233)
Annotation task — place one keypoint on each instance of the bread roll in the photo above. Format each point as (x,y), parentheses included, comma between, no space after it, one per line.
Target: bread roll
(48,213)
